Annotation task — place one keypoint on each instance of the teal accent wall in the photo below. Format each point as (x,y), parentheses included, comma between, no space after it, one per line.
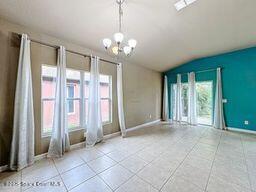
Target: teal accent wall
(238,80)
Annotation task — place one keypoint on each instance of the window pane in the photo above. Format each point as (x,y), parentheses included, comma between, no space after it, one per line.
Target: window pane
(184,100)
(48,111)
(104,78)
(86,89)
(71,106)
(105,110)
(71,91)
(173,100)
(204,102)
(48,81)
(86,84)
(86,110)
(104,86)
(73,83)
(104,90)
(74,117)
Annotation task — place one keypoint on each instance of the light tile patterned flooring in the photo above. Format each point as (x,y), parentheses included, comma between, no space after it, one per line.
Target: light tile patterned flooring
(167,158)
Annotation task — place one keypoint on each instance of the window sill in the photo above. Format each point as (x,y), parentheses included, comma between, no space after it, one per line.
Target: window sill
(106,123)
(46,135)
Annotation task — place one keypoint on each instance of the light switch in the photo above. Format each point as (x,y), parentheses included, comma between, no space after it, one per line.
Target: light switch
(224,100)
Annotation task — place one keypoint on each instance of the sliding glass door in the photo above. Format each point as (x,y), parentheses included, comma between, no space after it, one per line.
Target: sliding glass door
(173,100)
(204,102)
(204,92)
(184,102)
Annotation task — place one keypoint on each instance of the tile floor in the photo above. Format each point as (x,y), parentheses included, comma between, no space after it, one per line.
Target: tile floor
(167,158)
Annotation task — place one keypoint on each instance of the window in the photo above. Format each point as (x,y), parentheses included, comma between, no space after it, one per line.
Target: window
(106,96)
(86,94)
(77,98)
(48,97)
(204,102)
(71,106)
(73,98)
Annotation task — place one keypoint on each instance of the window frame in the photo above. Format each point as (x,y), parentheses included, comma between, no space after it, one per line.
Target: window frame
(212,103)
(173,100)
(110,102)
(184,118)
(82,99)
(44,134)
(71,99)
(174,97)
(80,126)
(103,98)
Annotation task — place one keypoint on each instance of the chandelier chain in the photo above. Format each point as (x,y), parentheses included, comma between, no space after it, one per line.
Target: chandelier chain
(120,16)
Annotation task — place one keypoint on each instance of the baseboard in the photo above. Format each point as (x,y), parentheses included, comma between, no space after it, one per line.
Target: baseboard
(3,168)
(40,157)
(169,121)
(77,145)
(143,125)
(109,136)
(241,130)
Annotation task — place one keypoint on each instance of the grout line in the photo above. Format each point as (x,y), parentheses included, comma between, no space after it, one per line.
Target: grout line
(180,135)
(104,182)
(180,162)
(212,163)
(96,175)
(59,175)
(247,168)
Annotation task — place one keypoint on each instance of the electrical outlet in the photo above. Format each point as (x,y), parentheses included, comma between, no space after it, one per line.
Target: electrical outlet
(150,116)
(246,122)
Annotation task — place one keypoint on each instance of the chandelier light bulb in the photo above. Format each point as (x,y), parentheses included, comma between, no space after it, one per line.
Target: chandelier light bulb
(116,45)
(132,43)
(115,50)
(127,50)
(107,43)
(119,37)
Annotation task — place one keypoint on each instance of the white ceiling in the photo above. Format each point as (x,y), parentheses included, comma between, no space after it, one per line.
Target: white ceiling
(166,38)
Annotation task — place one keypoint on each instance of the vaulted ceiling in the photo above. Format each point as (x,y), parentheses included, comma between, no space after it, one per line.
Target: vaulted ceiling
(166,38)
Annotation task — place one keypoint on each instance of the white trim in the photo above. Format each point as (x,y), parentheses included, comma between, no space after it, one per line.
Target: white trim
(112,135)
(169,121)
(76,146)
(3,168)
(40,157)
(241,130)
(143,125)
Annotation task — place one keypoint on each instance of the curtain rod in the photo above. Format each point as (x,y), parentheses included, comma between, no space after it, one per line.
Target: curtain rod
(70,51)
(207,70)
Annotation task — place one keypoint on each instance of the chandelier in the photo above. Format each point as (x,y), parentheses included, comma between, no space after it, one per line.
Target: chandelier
(118,46)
